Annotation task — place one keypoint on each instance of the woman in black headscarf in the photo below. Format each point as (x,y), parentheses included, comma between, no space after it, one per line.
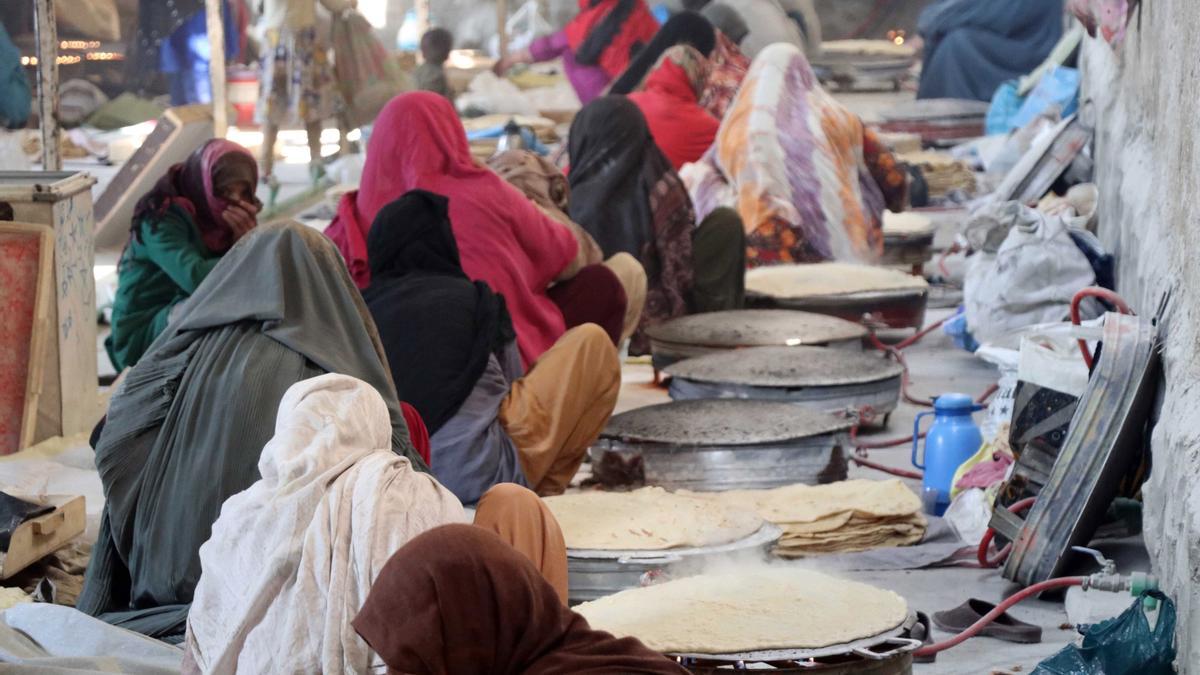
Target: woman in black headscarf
(626,195)
(453,353)
(685,28)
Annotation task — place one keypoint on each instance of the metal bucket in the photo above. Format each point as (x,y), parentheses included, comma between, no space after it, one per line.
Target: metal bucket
(593,574)
(712,445)
(821,379)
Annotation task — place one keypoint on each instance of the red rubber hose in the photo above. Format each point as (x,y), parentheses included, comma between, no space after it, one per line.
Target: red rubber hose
(1095,292)
(982,553)
(1061,582)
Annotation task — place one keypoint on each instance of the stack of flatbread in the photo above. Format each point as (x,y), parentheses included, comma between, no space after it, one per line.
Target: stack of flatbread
(942,172)
(844,517)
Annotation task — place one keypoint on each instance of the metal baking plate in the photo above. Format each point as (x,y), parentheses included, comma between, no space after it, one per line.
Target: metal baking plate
(900,308)
(700,334)
(887,654)
(822,379)
(595,573)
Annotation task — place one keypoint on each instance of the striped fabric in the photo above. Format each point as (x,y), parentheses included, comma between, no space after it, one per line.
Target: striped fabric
(790,159)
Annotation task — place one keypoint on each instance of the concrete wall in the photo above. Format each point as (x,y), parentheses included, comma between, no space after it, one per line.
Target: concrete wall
(1144,104)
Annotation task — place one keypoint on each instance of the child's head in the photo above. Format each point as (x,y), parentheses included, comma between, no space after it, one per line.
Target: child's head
(436,44)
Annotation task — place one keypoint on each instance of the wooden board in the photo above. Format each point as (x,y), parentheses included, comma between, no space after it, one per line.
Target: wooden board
(38,537)
(26,273)
(63,201)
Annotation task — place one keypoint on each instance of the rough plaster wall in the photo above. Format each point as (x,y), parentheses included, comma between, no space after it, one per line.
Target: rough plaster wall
(1148,167)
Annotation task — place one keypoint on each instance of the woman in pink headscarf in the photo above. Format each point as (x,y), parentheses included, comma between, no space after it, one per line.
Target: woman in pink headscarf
(179,232)
(503,239)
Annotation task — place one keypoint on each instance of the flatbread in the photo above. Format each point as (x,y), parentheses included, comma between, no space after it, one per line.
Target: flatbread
(907,223)
(828,279)
(767,608)
(650,519)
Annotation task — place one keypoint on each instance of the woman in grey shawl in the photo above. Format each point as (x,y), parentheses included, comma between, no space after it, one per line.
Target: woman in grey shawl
(187,427)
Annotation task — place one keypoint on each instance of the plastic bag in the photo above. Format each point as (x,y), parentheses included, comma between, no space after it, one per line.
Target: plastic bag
(1005,105)
(1058,88)
(1031,277)
(367,75)
(1125,644)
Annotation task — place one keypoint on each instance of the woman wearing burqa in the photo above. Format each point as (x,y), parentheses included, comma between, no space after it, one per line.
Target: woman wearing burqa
(186,429)
(456,600)
(629,199)
(453,354)
(973,46)
(808,179)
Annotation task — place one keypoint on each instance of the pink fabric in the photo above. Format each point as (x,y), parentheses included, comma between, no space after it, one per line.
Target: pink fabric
(419,143)
(589,82)
(681,128)
(213,151)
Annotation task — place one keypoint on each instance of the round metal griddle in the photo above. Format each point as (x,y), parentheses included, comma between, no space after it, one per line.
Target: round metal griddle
(889,653)
(595,573)
(726,444)
(700,334)
(821,379)
(892,308)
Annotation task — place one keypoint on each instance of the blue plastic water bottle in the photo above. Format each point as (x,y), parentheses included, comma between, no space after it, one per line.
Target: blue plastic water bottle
(952,440)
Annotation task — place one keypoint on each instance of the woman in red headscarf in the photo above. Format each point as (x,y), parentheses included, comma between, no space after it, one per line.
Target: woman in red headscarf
(682,129)
(180,230)
(419,144)
(596,46)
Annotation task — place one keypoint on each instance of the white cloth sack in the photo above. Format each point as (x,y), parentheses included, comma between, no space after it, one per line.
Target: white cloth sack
(40,638)
(292,558)
(1030,279)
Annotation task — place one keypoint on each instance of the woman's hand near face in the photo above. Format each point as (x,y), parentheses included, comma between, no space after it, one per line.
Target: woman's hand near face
(242,217)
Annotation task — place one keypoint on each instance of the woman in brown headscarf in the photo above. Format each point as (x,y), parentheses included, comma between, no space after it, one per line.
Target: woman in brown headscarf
(544,185)
(459,600)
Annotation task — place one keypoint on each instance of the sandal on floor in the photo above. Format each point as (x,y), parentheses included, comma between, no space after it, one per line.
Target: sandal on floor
(1003,628)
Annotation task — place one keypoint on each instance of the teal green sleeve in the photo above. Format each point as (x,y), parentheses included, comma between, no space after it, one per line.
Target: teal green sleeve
(174,247)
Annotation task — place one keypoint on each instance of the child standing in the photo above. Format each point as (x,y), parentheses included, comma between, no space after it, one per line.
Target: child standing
(435,48)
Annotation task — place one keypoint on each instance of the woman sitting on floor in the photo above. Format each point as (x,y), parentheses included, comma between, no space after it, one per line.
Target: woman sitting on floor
(457,600)
(547,187)
(181,228)
(419,143)
(809,180)
(626,195)
(971,47)
(685,28)
(670,101)
(187,429)
(333,504)
(451,348)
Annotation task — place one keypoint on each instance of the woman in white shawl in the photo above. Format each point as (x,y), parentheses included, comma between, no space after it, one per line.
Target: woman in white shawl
(291,559)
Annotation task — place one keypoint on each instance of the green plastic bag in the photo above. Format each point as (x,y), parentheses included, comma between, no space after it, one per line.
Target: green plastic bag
(1125,644)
